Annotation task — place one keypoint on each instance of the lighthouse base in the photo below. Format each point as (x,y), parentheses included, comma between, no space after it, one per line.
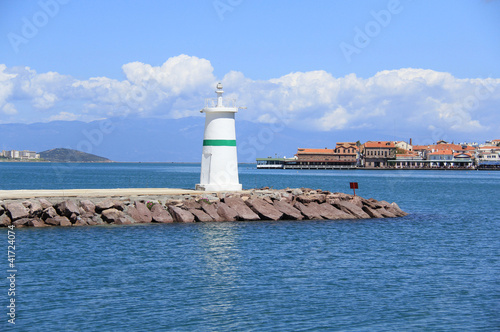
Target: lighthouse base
(219,187)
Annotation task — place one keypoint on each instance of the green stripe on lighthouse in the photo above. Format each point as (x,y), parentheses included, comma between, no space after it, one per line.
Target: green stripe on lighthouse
(219,142)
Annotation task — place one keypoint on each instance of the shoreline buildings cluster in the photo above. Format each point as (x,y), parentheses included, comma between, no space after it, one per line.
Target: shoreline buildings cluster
(22,155)
(392,155)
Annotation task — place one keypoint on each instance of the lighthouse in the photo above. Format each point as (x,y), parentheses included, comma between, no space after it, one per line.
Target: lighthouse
(219,162)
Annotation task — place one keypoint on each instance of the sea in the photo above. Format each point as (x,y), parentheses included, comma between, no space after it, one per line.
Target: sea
(437,269)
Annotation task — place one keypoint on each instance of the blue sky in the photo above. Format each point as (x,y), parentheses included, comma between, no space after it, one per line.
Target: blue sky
(423,66)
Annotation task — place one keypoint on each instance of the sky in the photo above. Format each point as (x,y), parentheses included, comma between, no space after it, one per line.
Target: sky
(427,69)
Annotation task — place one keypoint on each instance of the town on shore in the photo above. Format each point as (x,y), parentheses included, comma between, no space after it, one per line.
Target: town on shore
(19,155)
(392,155)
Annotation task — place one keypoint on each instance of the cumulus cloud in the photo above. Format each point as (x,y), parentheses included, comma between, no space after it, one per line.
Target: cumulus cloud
(411,99)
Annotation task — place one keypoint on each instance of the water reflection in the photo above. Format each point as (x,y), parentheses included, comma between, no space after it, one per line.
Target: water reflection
(222,260)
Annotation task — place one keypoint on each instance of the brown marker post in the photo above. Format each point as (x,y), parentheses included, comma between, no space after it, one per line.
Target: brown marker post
(354,186)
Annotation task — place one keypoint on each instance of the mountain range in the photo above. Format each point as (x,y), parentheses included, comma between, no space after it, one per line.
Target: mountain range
(135,139)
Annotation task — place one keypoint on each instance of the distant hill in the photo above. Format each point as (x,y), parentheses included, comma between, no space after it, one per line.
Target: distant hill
(69,155)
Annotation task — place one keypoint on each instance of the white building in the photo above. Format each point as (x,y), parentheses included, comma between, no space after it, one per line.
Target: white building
(219,163)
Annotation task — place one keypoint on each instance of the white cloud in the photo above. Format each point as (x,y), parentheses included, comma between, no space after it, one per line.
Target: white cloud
(411,99)
(65,116)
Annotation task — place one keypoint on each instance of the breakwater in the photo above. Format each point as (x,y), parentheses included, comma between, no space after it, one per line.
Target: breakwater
(188,206)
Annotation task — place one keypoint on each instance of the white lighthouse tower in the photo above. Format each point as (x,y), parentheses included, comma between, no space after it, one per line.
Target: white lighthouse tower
(219,163)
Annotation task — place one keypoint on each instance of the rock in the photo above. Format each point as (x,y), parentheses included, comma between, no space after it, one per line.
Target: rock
(289,212)
(35,208)
(5,220)
(243,211)
(200,216)
(87,206)
(2,209)
(45,203)
(109,204)
(330,212)
(67,208)
(81,222)
(37,222)
(311,213)
(297,192)
(226,213)
(93,219)
(58,221)
(23,222)
(180,215)
(159,214)
(373,213)
(140,212)
(17,211)
(311,198)
(49,212)
(115,216)
(211,210)
(394,209)
(265,210)
(352,209)
(192,205)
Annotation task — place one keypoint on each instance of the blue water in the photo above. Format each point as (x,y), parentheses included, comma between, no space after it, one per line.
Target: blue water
(436,269)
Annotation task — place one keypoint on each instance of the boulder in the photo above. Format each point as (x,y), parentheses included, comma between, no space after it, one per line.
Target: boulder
(115,216)
(330,212)
(243,211)
(289,212)
(81,222)
(373,213)
(87,206)
(35,208)
(67,208)
(191,205)
(226,213)
(394,209)
(311,198)
(49,212)
(37,222)
(159,214)
(23,222)
(352,209)
(2,209)
(211,210)
(5,220)
(109,203)
(45,203)
(265,210)
(58,221)
(311,213)
(200,216)
(180,215)
(17,211)
(140,212)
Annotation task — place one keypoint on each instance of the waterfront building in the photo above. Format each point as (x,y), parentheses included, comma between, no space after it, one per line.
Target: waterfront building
(219,164)
(408,160)
(378,153)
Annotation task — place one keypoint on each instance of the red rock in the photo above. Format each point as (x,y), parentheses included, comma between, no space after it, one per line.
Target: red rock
(140,212)
(49,212)
(289,212)
(211,210)
(34,207)
(243,211)
(159,214)
(37,222)
(226,213)
(200,216)
(67,208)
(191,205)
(58,221)
(265,210)
(81,222)
(104,205)
(113,216)
(311,213)
(330,212)
(87,206)
(373,213)
(180,215)
(17,211)
(23,222)
(5,220)
(352,209)
(45,203)
(394,209)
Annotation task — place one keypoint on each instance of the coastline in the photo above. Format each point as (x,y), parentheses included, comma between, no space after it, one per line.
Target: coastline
(89,207)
